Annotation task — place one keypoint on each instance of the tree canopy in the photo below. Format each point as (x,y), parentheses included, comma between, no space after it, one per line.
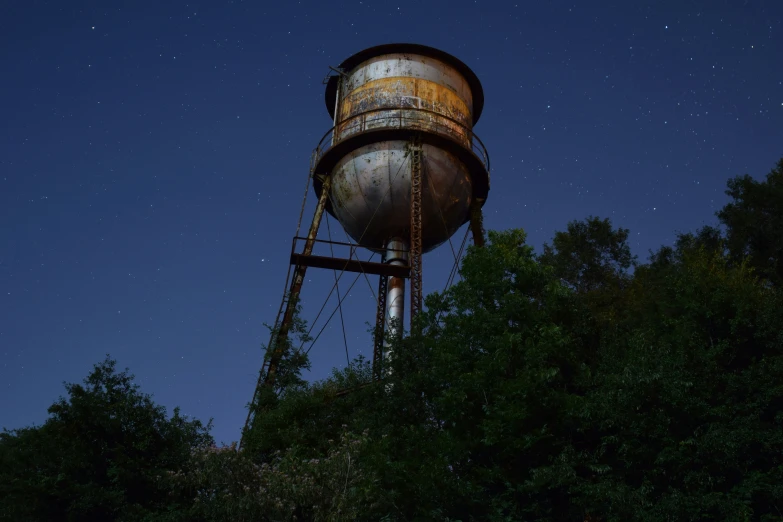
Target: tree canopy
(548,387)
(102,454)
(754,221)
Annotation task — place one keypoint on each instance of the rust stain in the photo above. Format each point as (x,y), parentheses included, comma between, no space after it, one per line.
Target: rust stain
(396,283)
(405,92)
(343,190)
(391,102)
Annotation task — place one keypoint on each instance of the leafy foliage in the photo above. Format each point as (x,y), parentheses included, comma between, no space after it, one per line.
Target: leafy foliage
(530,394)
(542,388)
(589,254)
(98,456)
(227,485)
(291,360)
(686,405)
(754,220)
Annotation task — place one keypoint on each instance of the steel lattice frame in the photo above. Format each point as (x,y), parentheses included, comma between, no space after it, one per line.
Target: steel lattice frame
(380,324)
(415,246)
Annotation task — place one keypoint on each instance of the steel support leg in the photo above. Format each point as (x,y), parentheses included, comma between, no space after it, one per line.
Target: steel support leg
(477,223)
(279,339)
(296,286)
(380,327)
(415,244)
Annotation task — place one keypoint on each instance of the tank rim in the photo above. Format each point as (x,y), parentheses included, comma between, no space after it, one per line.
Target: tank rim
(349,63)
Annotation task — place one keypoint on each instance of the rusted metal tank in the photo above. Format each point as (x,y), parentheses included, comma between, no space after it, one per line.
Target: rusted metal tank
(381,99)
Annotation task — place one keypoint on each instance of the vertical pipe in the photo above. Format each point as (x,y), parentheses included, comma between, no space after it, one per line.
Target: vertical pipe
(396,254)
(337,108)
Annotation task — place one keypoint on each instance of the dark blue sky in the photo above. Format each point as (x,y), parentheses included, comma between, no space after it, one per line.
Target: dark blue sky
(153,158)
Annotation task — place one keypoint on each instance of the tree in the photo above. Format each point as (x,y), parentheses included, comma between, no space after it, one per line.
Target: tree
(476,403)
(292,359)
(589,254)
(754,221)
(226,484)
(543,388)
(102,454)
(523,397)
(592,258)
(688,394)
(487,394)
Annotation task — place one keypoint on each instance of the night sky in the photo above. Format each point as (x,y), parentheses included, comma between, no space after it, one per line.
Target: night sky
(153,159)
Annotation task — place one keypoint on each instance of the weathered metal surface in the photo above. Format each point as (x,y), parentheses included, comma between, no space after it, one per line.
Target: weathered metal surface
(281,337)
(408,120)
(476,161)
(417,174)
(338,99)
(398,82)
(396,66)
(413,52)
(381,98)
(415,119)
(431,93)
(406,93)
(371,188)
(477,223)
(380,327)
(268,372)
(388,84)
(350,265)
(396,254)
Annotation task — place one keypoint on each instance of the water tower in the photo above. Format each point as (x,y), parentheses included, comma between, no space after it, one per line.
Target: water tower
(400,169)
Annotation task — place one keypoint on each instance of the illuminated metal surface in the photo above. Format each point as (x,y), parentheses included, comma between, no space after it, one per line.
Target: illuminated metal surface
(396,254)
(371,191)
(382,100)
(387,85)
(412,52)
(382,97)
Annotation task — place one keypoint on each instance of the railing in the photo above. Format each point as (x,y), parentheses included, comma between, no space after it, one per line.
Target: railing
(319,247)
(402,118)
